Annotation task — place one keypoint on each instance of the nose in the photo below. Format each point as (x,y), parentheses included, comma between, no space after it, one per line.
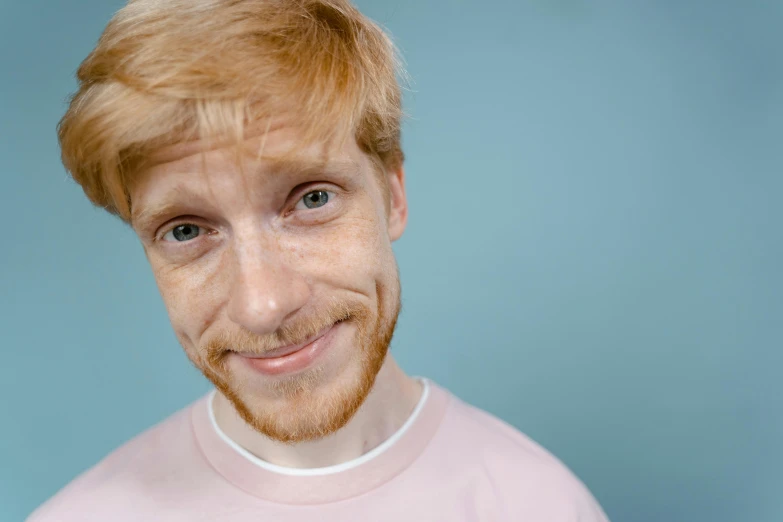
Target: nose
(265,288)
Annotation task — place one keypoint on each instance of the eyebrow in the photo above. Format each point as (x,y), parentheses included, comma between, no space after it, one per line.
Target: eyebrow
(343,170)
(144,219)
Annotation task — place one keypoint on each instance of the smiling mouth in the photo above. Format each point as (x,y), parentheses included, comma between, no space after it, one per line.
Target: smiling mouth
(287,350)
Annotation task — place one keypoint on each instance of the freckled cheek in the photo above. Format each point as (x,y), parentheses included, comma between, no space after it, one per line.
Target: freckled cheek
(339,253)
(187,299)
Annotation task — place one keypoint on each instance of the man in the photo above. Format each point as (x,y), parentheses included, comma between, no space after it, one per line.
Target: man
(254,147)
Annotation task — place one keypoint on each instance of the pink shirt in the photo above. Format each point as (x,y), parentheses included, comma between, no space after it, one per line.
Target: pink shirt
(449,462)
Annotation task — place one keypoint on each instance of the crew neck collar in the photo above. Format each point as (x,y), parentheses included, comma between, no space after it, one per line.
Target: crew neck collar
(326,484)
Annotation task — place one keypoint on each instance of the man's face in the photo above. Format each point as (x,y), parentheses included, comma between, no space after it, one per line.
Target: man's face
(252,261)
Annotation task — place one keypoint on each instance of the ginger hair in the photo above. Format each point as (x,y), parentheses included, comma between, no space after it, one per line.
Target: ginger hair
(169,71)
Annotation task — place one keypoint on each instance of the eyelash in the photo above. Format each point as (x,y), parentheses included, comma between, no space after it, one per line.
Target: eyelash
(310,190)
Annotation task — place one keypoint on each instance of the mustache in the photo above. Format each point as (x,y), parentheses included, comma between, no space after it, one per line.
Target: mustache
(292,333)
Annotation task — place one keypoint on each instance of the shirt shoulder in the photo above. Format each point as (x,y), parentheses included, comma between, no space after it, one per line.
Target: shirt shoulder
(142,474)
(511,472)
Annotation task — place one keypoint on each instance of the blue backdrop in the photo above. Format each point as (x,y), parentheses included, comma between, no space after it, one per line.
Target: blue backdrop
(594,249)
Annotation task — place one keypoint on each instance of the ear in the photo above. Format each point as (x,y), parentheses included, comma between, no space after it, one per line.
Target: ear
(398,203)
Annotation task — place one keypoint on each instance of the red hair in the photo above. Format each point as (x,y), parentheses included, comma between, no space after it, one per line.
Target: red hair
(168,71)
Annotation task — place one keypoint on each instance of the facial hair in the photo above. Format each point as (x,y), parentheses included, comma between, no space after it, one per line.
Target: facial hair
(313,407)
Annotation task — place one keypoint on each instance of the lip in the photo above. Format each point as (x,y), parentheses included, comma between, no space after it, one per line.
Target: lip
(290,359)
(285,350)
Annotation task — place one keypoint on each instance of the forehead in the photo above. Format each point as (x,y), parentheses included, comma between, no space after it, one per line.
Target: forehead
(274,154)
(273,144)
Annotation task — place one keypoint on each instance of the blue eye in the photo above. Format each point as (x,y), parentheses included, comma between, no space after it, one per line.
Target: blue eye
(184,232)
(315,199)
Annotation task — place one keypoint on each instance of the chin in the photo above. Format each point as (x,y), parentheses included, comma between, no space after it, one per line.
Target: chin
(320,397)
(312,403)
(309,405)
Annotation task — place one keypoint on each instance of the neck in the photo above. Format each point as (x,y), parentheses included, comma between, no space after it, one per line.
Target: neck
(388,405)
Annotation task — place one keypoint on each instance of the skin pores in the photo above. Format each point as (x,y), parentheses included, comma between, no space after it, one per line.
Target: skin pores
(258,253)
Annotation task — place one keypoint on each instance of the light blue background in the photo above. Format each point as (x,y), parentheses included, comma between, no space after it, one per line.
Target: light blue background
(593,254)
